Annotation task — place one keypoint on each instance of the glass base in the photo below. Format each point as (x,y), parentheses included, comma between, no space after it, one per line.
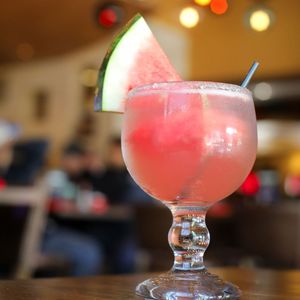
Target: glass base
(180,285)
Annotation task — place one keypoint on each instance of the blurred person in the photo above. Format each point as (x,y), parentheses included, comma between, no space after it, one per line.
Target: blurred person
(81,167)
(8,134)
(93,169)
(85,169)
(72,162)
(28,160)
(115,181)
(93,162)
(81,250)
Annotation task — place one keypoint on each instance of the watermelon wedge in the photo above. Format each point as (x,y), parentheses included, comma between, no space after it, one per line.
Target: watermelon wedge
(134,58)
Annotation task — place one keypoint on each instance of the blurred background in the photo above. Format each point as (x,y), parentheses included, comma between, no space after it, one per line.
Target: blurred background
(67,205)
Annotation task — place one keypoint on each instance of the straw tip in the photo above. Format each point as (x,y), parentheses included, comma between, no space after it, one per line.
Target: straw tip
(250,74)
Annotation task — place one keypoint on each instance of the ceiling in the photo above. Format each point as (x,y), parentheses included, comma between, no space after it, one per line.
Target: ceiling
(37,29)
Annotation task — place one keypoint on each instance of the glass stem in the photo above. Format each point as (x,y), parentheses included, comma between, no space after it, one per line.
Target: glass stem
(188,237)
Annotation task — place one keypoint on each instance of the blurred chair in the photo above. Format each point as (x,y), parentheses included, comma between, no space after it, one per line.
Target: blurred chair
(35,199)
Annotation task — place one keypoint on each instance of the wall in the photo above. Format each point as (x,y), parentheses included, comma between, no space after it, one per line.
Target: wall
(223,47)
(61,78)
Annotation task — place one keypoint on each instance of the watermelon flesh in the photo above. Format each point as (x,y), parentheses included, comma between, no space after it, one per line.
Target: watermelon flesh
(160,148)
(151,65)
(188,147)
(135,58)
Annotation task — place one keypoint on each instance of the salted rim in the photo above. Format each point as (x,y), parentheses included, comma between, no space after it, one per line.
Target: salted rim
(190,87)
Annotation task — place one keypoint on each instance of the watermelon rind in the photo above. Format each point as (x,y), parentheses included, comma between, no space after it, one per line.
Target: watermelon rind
(113,74)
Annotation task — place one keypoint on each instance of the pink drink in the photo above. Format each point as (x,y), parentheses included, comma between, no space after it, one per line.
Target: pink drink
(189,142)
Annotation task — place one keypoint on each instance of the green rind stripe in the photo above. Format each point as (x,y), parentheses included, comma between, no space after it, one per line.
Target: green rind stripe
(98,102)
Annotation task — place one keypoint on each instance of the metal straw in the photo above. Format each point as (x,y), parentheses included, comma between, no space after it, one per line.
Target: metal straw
(250,74)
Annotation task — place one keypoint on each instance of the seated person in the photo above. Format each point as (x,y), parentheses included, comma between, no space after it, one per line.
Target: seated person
(115,181)
(72,162)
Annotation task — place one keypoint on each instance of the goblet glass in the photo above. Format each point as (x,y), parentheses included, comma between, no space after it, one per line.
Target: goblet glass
(189,145)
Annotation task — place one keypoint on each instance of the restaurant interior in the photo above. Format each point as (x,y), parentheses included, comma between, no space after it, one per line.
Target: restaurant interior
(68,206)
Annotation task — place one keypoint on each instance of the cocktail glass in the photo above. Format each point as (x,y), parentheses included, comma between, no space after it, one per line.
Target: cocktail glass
(189,145)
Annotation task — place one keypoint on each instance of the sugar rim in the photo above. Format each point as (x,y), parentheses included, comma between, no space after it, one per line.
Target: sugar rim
(189,87)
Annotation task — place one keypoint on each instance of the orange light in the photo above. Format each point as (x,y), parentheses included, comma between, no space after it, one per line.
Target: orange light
(202,2)
(219,7)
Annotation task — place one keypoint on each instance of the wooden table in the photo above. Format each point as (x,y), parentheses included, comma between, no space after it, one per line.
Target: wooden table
(255,284)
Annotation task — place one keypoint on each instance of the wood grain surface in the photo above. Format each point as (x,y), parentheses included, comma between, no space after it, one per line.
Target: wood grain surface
(255,284)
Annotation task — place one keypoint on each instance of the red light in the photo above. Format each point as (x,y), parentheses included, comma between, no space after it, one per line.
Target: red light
(107,17)
(251,185)
(219,7)
(2,184)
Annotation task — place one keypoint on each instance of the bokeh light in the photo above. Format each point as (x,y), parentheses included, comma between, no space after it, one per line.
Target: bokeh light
(251,185)
(202,2)
(293,164)
(109,15)
(263,91)
(219,7)
(189,17)
(260,20)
